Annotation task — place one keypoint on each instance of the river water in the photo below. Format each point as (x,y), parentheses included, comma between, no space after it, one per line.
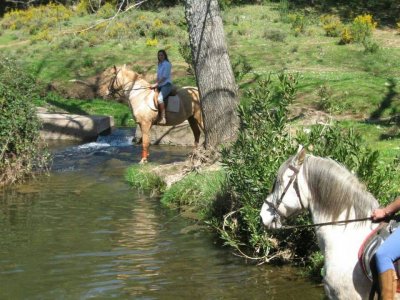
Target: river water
(83,233)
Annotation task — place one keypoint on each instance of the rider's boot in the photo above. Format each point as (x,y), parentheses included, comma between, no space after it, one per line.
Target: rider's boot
(388,285)
(161,108)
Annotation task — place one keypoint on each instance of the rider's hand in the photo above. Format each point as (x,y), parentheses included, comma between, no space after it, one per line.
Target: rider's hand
(379,214)
(153,86)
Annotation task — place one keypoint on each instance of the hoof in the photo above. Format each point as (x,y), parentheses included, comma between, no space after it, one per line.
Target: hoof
(143,161)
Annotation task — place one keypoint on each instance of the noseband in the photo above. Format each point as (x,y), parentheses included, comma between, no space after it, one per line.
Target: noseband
(113,91)
(293,180)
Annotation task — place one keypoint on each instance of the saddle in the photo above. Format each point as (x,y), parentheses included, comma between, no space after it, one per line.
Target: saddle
(371,244)
(174,92)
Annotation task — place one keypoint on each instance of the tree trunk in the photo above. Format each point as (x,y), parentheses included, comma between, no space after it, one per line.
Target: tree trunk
(213,70)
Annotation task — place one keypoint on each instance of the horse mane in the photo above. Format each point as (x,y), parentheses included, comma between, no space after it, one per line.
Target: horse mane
(335,189)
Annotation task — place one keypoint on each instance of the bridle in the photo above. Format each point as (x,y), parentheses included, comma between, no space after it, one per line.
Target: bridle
(113,91)
(293,181)
(121,92)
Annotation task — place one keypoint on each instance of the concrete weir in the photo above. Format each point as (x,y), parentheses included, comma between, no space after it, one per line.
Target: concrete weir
(73,127)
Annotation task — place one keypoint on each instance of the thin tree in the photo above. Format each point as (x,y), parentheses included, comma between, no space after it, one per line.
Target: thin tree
(213,71)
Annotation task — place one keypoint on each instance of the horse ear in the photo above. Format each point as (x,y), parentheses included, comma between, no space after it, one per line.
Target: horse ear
(115,68)
(300,156)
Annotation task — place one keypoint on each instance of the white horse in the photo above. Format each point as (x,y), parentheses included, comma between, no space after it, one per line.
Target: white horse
(331,193)
(130,86)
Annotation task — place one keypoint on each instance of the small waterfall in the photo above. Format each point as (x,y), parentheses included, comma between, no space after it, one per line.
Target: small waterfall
(118,138)
(104,146)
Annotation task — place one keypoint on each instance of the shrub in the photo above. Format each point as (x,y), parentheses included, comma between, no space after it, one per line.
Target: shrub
(106,11)
(21,152)
(151,42)
(370,46)
(36,19)
(332,25)
(241,67)
(346,37)
(275,35)
(298,23)
(362,27)
(186,52)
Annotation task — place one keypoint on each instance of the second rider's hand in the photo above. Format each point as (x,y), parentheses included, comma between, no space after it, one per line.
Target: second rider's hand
(379,214)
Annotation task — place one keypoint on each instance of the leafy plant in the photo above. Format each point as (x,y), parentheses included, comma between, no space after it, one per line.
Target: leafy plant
(332,25)
(21,149)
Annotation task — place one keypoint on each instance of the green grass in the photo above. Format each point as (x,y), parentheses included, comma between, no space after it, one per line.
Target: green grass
(120,112)
(141,177)
(378,137)
(197,191)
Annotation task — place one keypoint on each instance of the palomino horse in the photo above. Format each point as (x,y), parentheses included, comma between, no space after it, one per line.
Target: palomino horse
(130,86)
(331,193)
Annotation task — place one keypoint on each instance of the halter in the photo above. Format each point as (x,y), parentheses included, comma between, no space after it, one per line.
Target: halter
(293,180)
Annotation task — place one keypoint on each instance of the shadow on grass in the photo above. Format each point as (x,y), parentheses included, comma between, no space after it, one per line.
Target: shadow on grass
(387,100)
(71,108)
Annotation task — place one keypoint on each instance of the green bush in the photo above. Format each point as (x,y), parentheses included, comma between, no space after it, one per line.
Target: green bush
(21,149)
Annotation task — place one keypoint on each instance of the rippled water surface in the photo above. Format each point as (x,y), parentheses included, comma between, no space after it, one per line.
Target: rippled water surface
(83,233)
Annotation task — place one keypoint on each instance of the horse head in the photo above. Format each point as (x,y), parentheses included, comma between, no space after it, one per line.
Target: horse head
(121,82)
(285,199)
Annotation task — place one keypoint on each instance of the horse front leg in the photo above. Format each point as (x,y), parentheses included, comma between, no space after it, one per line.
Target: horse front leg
(145,128)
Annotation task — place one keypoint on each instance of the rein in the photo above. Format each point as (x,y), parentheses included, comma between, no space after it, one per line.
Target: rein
(115,91)
(326,223)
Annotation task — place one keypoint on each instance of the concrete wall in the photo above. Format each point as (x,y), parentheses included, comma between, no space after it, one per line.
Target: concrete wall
(74,127)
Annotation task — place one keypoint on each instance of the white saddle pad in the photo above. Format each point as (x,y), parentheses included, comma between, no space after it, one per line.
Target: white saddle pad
(173,104)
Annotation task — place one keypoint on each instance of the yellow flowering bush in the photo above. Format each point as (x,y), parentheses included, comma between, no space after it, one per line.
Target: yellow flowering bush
(36,19)
(151,42)
(362,27)
(346,36)
(332,25)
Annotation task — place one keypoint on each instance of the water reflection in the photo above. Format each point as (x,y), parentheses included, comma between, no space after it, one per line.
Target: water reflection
(84,233)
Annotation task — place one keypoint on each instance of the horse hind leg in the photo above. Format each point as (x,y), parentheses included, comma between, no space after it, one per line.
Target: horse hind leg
(195,129)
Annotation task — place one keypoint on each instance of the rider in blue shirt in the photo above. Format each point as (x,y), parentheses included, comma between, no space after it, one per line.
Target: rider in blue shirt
(163,83)
(388,253)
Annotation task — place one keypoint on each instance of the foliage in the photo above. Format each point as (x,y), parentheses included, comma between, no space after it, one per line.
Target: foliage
(265,141)
(298,22)
(196,192)
(186,53)
(362,27)
(370,46)
(250,163)
(241,67)
(142,178)
(275,35)
(332,25)
(36,19)
(21,149)
(346,37)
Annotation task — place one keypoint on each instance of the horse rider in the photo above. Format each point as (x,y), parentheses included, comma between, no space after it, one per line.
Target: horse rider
(163,83)
(387,253)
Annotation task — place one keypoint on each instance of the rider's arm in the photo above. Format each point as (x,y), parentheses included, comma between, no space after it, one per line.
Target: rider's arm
(387,211)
